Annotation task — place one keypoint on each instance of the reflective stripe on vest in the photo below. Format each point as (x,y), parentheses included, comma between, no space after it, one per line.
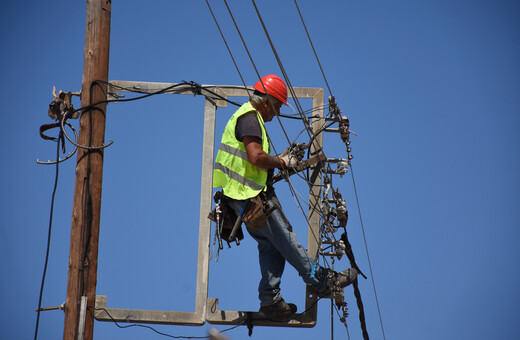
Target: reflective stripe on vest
(233,172)
(238,177)
(236,152)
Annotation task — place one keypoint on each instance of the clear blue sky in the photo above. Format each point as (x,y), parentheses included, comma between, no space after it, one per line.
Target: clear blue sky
(432,88)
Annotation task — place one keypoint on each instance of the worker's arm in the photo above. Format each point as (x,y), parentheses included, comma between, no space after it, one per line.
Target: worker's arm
(259,157)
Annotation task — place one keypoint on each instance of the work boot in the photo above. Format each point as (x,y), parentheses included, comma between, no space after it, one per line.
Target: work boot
(279,311)
(337,281)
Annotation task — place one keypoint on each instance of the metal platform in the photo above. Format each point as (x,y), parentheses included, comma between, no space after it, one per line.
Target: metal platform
(206,309)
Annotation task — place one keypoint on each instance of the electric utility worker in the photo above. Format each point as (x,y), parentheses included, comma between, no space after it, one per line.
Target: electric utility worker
(242,168)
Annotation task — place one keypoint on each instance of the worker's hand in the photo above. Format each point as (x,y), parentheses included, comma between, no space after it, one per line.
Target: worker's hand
(293,155)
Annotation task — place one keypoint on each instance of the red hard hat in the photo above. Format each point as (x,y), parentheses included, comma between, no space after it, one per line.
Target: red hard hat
(275,87)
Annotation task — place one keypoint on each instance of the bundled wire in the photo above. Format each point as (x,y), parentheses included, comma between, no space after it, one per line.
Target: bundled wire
(197,89)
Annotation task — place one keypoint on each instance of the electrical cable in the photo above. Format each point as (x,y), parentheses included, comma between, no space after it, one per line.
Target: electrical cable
(48,236)
(344,322)
(302,117)
(366,249)
(227,46)
(263,85)
(355,191)
(194,85)
(161,333)
(312,136)
(312,45)
(308,128)
(291,187)
(282,69)
(258,74)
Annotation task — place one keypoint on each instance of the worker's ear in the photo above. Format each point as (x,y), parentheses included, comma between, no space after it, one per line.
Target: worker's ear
(266,104)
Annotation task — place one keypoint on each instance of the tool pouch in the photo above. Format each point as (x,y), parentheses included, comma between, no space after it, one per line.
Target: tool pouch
(257,212)
(228,221)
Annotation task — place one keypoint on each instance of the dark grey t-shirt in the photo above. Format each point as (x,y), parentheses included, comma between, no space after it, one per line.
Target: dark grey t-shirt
(248,125)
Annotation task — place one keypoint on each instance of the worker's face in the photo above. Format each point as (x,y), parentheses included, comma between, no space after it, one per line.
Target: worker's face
(271,108)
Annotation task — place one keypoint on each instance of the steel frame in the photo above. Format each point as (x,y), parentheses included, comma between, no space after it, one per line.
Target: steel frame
(206,309)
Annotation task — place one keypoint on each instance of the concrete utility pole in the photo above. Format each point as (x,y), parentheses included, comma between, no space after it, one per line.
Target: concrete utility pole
(89,174)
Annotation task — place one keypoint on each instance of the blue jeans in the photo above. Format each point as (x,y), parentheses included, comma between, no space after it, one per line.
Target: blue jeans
(277,243)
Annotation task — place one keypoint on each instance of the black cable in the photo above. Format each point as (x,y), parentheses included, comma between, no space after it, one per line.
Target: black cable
(193,84)
(344,322)
(366,249)
(312,45)
(48,236)
(294,117)
(160,333)
(166,89)
(92,106)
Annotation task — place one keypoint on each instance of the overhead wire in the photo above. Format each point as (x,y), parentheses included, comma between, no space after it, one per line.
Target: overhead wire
(300,111)
(254,66)
(312,45)
(227,46)
(258,74)
(164,90)
(366,249)
(297,103)
(293,191)
(295,98)
(282,69)
(352,174)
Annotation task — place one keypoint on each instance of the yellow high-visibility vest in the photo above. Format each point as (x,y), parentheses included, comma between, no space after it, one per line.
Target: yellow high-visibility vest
(239,178)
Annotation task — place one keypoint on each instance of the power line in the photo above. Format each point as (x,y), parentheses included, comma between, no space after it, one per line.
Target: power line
(312,45)
(227,46)
(282,69)
(366,249)
(307,128)
(254,66)
(355,190)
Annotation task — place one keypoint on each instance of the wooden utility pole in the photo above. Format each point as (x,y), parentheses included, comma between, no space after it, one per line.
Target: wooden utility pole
(89,174)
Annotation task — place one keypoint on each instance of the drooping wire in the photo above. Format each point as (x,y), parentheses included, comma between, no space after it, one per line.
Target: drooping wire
(48,236)
(161,333)
(366,249)
(197,88)
(61,126)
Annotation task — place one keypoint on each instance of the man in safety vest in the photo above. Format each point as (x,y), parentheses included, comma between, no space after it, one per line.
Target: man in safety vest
(242,168)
